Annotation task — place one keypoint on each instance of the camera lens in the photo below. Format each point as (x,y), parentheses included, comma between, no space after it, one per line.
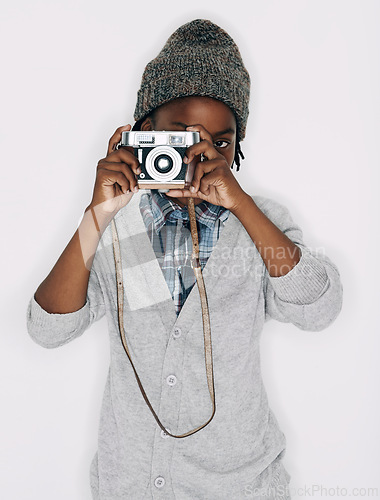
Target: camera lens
(163,164)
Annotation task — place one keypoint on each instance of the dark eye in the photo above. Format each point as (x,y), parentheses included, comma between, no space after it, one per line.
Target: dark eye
(221,144)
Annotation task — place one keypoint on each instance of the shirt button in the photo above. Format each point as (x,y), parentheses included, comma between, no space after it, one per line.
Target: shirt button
(164,434)
(177,332)
(171,380)
(159,482)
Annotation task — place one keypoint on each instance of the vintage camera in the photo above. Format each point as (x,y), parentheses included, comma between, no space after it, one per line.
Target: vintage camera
(161,157)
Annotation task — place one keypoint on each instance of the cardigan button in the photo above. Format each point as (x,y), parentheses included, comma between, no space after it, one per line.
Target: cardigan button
(177,332)
(164,435)
(159,482)
(171,380)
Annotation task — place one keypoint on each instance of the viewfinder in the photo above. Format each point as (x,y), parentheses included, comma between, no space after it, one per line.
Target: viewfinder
(176,140)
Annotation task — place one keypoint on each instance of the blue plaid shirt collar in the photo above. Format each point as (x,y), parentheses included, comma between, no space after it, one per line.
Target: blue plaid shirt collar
(163,209)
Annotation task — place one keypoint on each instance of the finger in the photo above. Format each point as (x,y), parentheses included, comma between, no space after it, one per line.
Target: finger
(116,138)
(201,169)
(204,134)
(184,193)
(124,155)
(204,147)
(120,167)
(212,179)
(114,178)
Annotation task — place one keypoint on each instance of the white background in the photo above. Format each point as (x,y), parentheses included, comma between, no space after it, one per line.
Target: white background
(70,72)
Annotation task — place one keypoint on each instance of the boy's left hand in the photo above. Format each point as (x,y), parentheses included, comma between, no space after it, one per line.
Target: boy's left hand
(213,179)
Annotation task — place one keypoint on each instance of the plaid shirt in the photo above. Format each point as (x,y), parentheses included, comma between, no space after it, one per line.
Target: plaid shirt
(168,228)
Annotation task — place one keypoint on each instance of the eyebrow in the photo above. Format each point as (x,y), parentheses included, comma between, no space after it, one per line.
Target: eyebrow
(222,132)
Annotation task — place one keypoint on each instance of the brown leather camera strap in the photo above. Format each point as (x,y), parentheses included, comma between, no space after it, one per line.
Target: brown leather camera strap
(195,264)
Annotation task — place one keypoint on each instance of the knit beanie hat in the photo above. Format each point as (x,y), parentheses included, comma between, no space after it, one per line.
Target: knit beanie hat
(199,59)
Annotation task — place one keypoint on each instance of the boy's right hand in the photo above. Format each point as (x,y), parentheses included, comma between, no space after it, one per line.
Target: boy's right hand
(116,179)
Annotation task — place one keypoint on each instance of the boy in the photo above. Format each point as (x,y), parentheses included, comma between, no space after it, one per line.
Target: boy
(257,267)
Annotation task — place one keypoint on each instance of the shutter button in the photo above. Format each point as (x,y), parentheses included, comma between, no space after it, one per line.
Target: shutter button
(159,482)
(171,380)
(177,332)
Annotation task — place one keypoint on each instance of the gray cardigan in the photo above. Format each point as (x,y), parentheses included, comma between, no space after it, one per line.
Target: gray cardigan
(239,449)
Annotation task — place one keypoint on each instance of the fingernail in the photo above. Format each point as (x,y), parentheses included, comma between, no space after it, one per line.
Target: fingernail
(135,189)
(192,189)
(185,159)
(138,170)
(190,128)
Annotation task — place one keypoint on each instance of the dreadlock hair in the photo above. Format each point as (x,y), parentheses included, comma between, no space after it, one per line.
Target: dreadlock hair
(238,152)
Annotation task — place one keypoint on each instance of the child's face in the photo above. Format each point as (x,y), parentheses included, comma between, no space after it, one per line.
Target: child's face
(215,116)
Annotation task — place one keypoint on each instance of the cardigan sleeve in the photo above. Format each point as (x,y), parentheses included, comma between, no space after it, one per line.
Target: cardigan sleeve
(309,295)
(53,330)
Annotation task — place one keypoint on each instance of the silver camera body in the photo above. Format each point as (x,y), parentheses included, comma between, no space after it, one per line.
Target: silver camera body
(161,157)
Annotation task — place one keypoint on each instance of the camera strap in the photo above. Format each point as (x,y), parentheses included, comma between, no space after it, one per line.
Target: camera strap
(196,265)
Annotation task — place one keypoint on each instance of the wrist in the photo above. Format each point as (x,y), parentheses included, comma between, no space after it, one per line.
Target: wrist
(100,218)
(243,205)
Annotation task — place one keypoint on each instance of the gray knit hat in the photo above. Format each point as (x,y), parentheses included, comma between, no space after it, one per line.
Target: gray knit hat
(201,59)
